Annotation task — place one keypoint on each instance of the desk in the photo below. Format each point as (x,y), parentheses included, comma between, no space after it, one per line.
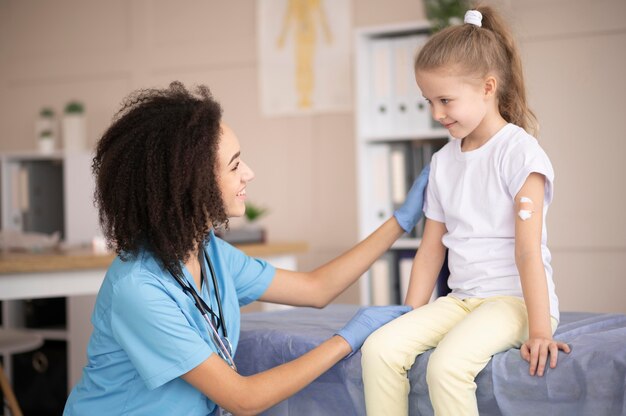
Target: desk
(78,275)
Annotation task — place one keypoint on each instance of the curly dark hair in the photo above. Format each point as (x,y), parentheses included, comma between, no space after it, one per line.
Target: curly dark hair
(156,186)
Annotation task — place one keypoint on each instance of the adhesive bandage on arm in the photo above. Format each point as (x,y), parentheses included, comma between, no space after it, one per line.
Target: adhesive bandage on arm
(526,208)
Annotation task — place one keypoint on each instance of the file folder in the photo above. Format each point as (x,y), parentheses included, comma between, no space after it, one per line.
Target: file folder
(381,84)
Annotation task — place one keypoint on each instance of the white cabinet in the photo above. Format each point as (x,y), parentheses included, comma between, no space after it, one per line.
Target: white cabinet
(395,139)
(48,193)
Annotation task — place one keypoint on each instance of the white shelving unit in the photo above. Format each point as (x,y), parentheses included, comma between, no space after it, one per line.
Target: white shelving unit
(45,193)
(395,137)
(48,193)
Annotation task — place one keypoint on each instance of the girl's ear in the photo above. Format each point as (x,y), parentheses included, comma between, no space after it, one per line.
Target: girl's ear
(490,86)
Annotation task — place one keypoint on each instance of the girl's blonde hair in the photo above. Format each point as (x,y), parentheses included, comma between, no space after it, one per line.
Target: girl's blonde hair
(489,49)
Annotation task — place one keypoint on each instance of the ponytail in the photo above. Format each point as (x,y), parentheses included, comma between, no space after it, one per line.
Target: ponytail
(483,50)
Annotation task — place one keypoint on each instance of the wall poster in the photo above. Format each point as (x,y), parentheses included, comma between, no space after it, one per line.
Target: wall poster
(304,50)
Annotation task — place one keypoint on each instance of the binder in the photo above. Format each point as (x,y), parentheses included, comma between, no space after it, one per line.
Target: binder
(380,192)
(15,177)
(419,114)
(403,83)
(381,274)
(405,264)
(22,181)
(401,172)
(381,84)
(418,157)
(397,106)
(422,152)
(442,287)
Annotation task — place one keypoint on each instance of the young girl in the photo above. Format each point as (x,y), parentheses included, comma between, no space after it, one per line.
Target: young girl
(486,202)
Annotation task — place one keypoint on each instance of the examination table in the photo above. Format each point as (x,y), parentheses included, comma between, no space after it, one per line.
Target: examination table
(591,380)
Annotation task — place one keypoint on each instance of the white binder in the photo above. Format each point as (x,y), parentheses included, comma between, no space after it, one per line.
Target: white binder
(419,114)
(381,87)
(399,157)
(381,278)
(405,264)
(403,87)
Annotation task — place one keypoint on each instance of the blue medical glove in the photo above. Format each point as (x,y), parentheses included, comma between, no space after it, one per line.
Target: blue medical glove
(411,211)
(368,320)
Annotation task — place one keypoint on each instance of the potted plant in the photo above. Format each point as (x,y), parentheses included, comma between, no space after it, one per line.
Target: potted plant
(74,127)
(444,13)
(45,128)
(46,141)
(249,231)
(254,212)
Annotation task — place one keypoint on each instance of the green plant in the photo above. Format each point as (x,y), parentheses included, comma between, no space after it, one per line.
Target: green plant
(254,212)
(46,112)
(74,107)
(443,13)
(45,134)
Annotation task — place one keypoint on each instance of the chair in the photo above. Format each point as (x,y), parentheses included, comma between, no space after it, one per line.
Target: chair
(14,341)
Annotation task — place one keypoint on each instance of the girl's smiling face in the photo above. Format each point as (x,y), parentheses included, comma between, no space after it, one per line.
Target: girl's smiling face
(462,104)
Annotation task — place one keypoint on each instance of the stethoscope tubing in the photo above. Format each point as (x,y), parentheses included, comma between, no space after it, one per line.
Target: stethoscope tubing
(222,348)
(204,309)
(217,289)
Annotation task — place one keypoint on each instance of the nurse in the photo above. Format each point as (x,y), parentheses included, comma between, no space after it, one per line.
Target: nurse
(166,321)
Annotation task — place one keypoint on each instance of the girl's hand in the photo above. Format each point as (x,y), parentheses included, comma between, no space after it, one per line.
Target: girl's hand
(535,351)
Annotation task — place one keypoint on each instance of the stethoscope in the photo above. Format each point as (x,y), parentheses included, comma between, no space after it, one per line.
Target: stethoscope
(215,322)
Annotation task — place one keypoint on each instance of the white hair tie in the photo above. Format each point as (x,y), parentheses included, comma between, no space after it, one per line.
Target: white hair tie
(474,17)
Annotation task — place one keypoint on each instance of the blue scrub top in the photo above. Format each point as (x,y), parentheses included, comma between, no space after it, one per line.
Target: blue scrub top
(147,333)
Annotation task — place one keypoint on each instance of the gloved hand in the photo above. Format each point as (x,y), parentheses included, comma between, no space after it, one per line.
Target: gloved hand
(411,211)
(366,321)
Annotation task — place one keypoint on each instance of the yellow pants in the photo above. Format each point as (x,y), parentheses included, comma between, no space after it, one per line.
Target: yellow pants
(466,334)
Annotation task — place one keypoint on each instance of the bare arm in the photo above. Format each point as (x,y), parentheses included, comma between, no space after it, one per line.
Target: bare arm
(529,263)
(320,286)
(251,395)
(426,265)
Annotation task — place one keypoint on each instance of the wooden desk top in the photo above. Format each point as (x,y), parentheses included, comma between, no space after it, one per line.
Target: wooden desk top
(85,259)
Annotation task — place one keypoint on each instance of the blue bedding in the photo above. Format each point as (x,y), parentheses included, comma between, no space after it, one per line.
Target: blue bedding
(591,380)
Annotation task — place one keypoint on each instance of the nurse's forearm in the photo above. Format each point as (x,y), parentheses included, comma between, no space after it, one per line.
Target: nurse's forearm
(275,385)
(335,276)
(250,395)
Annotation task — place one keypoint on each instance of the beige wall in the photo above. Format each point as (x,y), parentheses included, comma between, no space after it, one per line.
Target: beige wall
(574,55)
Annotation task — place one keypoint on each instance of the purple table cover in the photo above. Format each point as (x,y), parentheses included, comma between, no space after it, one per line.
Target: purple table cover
(591,380)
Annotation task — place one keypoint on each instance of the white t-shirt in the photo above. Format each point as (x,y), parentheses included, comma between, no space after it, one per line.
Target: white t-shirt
(473,194)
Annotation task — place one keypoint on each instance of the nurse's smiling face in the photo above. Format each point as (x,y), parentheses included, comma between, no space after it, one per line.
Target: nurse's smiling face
(233,174)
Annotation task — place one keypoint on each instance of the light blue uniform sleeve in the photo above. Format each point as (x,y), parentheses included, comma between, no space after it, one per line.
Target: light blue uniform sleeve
(251,276)
(155,331)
